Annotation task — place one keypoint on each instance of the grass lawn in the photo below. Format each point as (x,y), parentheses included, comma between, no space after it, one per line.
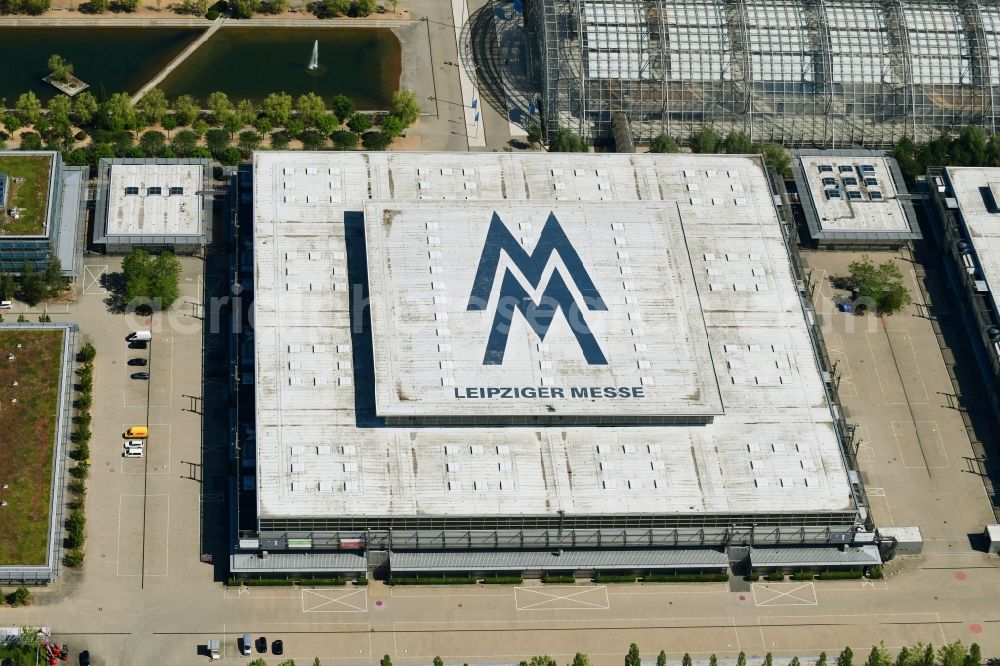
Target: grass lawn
(26,439)
(32,195)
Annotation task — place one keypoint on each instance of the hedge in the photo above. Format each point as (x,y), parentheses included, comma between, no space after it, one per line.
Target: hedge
(686,578)
(803,575)
(432,581)
(263,582)
(875,572)
(614,579)
(503,580)
(568,580)
(840,575)
(313,582)
(776,575)
(361,581)
(753,577)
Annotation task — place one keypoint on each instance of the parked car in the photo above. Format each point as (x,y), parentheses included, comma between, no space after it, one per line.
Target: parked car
(137,361)
(138,344)
(134,444)
(132,453)
(262,645)
(6,305)
(140,375)
(245,644)
(277,647)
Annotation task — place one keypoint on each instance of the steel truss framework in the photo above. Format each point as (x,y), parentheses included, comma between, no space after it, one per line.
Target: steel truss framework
(823,73)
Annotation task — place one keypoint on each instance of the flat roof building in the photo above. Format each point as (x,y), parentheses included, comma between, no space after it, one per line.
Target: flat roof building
(853,199)
(156,203)
(42,211)
(515,304)
(967,202)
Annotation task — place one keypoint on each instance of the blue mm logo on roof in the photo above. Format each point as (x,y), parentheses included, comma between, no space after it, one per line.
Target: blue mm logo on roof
(555,296)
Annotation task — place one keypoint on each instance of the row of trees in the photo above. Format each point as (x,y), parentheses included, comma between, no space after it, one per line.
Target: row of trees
(116,125)
(33,286)
(952,654)
(76,523)
(708,140)
(239,9)
(972,147)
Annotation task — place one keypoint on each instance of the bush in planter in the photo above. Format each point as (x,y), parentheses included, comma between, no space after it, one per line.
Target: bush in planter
(561,580)
(686,578)
(875,573)
(79,471)
(753,577)
(503,580)
(613,578)
(840,575)
(803,575)
(431,581)
(775,576)
(361,581)
(20,597)
(73,558)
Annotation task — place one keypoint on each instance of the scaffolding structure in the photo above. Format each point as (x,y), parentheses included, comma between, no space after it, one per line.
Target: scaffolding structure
(819,73)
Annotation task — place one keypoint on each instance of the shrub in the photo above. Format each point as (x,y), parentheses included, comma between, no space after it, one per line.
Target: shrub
(503,580)
(316,582)
(75,525)
(269,582)
(81,452)
(376,141)
(79,471)
(20,597)
(615,578)
(840,575)
(803,575)
(212,14)
(686,578)
(753,577)
(875,572)
(359,123)
(73,558)
(279,140)
(432,581)
(77,487)
(775,575)
(344,140)
(560,580)
(361,581)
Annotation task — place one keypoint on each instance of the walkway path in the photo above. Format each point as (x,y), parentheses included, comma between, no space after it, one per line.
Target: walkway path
(474,129)
(181,57)
(86,21)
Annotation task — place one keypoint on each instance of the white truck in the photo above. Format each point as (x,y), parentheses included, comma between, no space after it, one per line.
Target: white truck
(139,335)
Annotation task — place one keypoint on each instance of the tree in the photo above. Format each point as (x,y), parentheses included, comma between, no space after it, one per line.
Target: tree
(633,658)
(199,127)
(705,140)
(534,134)
(216,140)
(312,140)
(344,140)
(294,127)
(664,143)
(405,107)
(249,141)
(327,123)
(580,659)
(278,108)
(246,110)
(846,657)
(153,143)
(542,660)
(310,107)
(59,108)
(185,109)
(385,661)
(777,159)
(686,660)
(84,106)
(794,662)
(32,288)
(768,660)
(31,141)
(342,107)
(741,659)
(362,7)
(392,126)
(822,659)
(229,156)
(218,103)
(879,286)
(879,656)
(975,656)
(54,280)
(29,108)
(359,123)
(279,140)
(951,654)
(714,661)
(6,285)
(438,661)
(119,113)
(243,9)
(153,106)
(12,122)
(375,141)
(151,281)
(126,5)
(565,141)
(184,143)
(661,659)
(263,125)
(738,143)
(274,6)
(60,68)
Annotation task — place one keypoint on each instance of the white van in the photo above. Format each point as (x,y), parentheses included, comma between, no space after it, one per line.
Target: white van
(245,645)
(139,335)
(6,305)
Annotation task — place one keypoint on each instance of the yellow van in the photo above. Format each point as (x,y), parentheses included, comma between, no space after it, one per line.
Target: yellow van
(137,432)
